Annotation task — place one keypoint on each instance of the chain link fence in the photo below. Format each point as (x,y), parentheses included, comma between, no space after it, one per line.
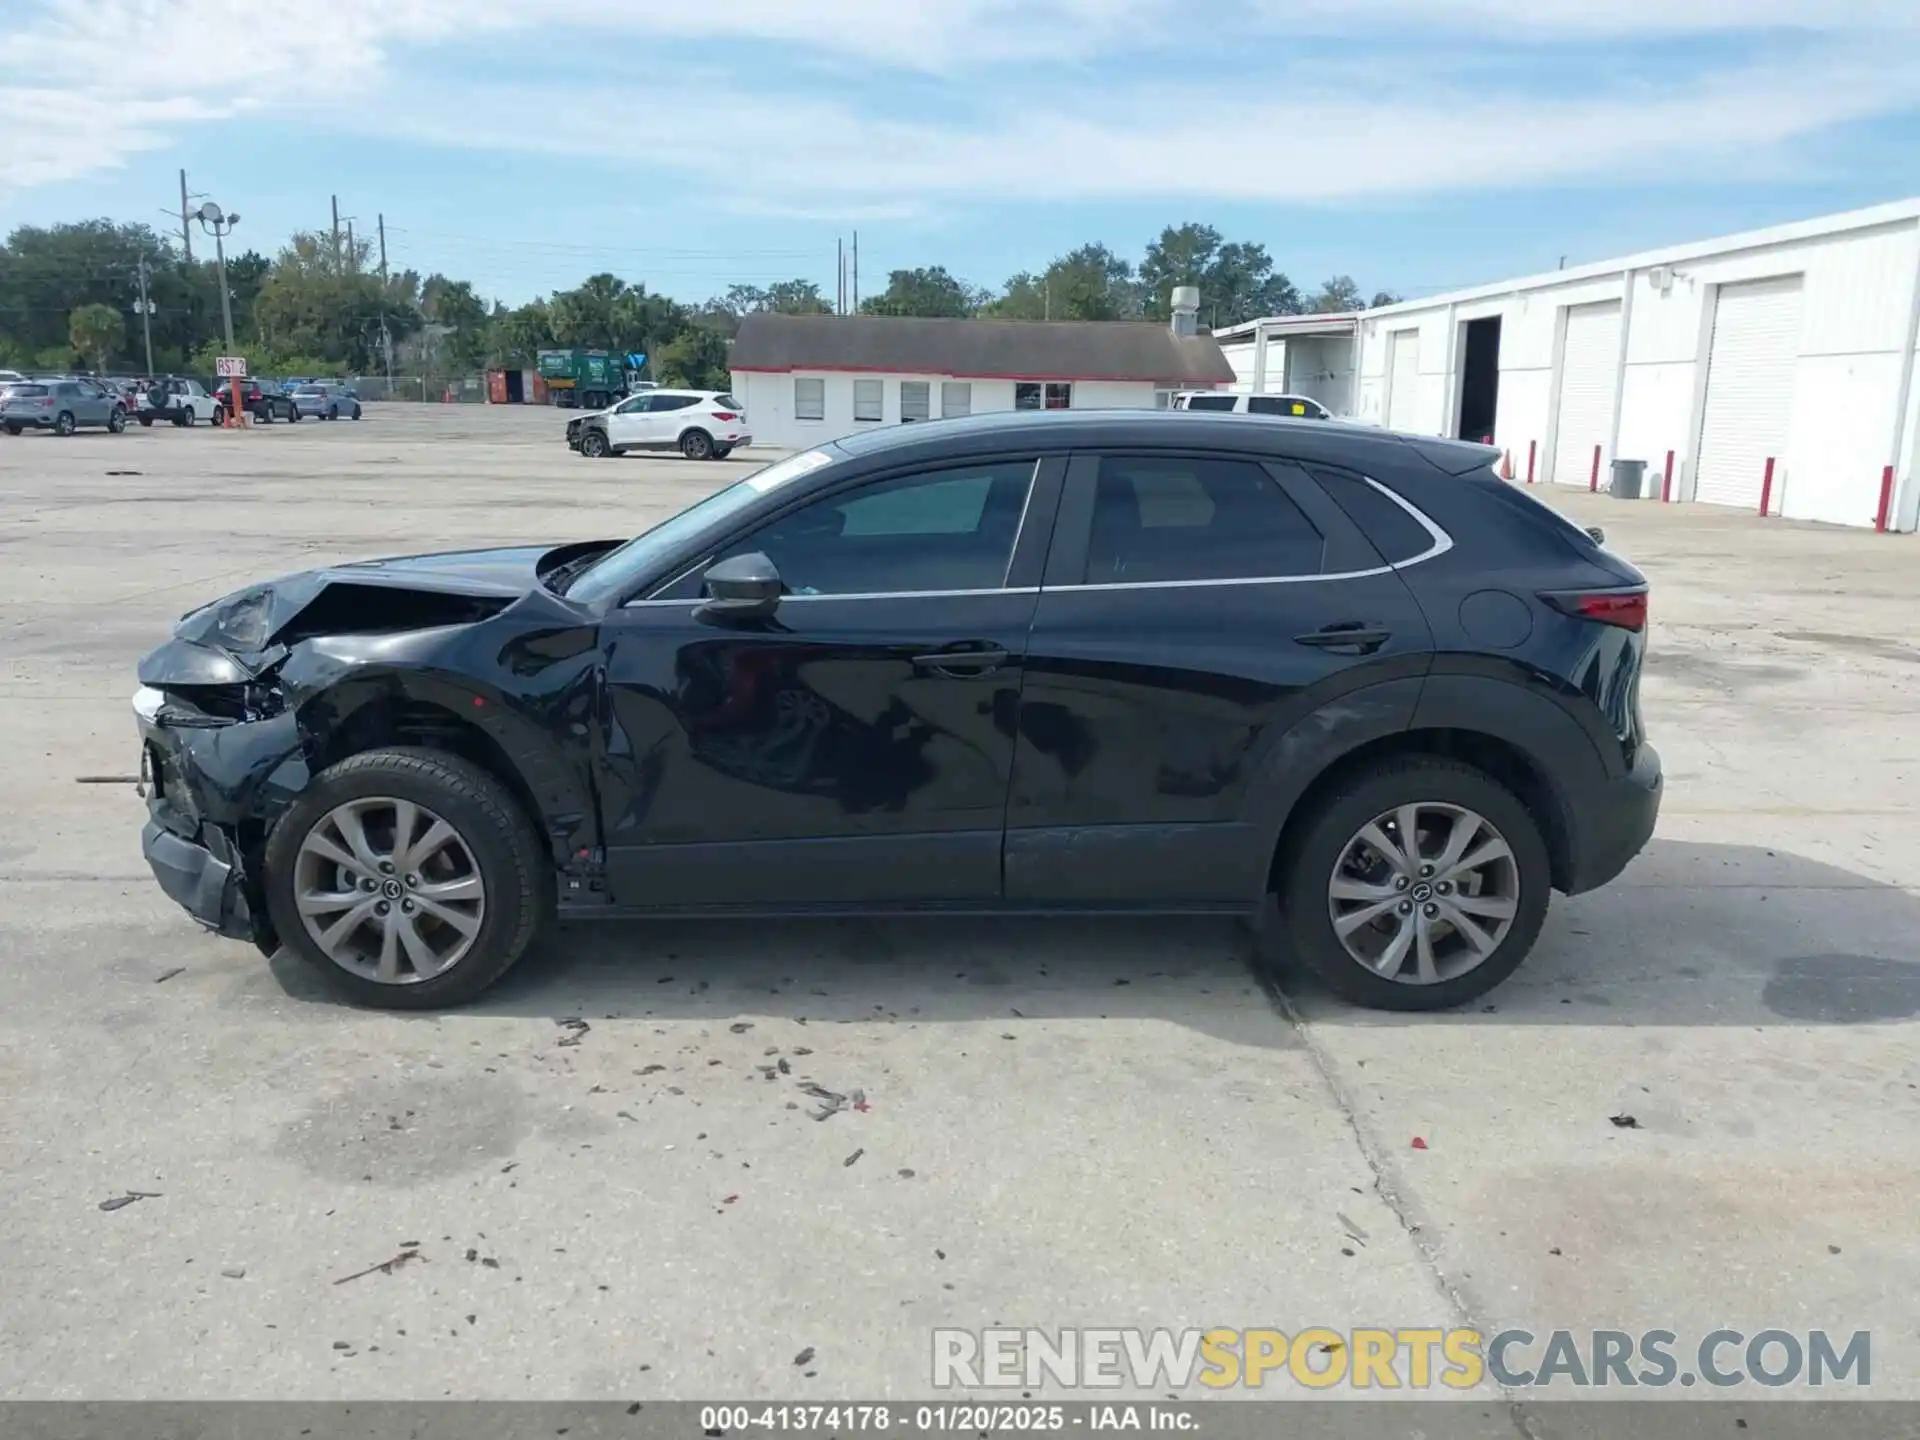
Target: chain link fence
(422,389)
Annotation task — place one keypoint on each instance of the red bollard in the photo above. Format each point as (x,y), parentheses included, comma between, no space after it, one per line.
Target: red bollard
(1594,482)
(1532,446)
(1666,483)
(1766,489)
(1884,516)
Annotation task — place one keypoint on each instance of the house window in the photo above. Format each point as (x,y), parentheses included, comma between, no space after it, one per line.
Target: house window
(1027,395)
(956,397)
(1059,396)
(916,400)
(869,400)
(809,398)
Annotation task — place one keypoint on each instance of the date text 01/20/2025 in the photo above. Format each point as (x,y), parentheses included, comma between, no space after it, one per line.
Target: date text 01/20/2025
(959,1418)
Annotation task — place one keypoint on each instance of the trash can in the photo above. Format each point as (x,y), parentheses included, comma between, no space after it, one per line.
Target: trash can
(1629,480)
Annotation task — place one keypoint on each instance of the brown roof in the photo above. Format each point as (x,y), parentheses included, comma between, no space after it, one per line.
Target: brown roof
(981,349)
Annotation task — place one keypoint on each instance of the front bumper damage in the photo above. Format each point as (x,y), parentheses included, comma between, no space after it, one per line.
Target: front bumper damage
(213,791)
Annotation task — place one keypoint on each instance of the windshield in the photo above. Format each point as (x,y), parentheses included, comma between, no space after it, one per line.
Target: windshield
(618,570)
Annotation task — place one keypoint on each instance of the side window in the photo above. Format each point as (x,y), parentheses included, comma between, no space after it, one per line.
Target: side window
(1273,405)
(940,530)
(916,400)
(809,398)
(635,406)
(1159,519)
(1394,533)
(1212,402)
(670,402)
(869,400)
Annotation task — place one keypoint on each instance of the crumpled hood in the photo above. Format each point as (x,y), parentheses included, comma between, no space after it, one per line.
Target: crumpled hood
(240,635)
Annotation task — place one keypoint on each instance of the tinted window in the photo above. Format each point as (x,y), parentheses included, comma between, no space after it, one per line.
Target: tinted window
(1177,519)
(670,402)
(946,530)
(1285,405)
(727,402)
(631,407)
(1212,402)
(26,392)
(1394,533)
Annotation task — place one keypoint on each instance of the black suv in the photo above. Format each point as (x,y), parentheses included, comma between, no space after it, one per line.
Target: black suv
(1119,662)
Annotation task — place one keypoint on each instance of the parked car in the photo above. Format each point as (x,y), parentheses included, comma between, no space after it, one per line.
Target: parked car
(1345,683)
(700,424)
(61,405)
(1299,407)
(184,402)
(262,403)
(325,400)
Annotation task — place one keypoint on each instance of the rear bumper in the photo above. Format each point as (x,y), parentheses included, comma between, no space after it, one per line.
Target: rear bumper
(38,422)
(1618,824)
(205,885)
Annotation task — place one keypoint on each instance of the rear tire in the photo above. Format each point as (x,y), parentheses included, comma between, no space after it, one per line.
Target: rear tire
(697,445)
(12,429)
(506,854)
(720,452)
(1314,857)
(186,416)
(333,412)
(146,422)
(63,423)
(356,412)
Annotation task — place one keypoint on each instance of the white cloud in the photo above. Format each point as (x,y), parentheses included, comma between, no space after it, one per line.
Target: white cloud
(1435,98)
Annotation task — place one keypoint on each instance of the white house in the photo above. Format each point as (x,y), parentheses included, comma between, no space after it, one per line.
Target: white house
(1773,366)
(807,378)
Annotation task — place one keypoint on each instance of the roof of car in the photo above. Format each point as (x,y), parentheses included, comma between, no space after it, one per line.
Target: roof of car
(1032,350)
(1331,441)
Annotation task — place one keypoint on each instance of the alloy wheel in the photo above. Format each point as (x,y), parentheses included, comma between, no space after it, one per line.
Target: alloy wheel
(388,890)
(1424,893)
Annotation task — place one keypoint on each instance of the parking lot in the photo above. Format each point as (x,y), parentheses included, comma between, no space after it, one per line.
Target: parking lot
(1695,1106)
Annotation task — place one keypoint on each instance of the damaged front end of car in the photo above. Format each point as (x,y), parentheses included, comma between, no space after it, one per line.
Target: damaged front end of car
(254,695)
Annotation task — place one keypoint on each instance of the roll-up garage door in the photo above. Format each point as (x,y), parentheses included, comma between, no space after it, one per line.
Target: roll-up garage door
(1403,382)
(1750,365)
(1588,363)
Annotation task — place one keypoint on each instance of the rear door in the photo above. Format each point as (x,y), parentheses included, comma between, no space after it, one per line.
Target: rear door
(1195,608)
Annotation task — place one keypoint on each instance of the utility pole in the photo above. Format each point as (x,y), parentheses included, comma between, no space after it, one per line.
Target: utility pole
(386,337)
(146,314)
(353,255)
(186,231)
(1047,305)
(840,270)
(336,232)
(856,270)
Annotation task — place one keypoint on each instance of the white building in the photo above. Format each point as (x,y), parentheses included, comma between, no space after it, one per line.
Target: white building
(804,379)
(1787,352)
(1308,355)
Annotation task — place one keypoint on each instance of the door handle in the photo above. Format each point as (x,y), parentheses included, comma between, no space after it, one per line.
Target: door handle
(967,661)
(1348,637)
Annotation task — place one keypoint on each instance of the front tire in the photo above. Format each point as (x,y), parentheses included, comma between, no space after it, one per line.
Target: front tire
(1425,926)
(356,412)
(333,412)
(594,445)
(116,420)
(697,445)
(409,879)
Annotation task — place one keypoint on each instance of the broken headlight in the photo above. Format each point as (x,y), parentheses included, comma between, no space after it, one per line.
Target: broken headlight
(241,624)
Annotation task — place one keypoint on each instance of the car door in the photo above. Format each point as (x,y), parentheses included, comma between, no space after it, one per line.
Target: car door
(1195,609)
(664,417)
(627,425)
(855,748)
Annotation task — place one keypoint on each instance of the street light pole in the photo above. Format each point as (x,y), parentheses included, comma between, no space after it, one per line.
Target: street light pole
(219,224)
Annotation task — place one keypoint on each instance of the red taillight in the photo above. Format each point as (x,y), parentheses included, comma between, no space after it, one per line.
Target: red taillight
(47,404)
(725,415)
(1625,608)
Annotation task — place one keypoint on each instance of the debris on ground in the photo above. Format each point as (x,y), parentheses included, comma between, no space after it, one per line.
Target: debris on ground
(782,1066)
(624,1115)
(472,1254)
(1419,1142)
(831,1101)
(166,975)
(804,1357)
(343,1344)
(120,1202)
(385,1267)
(851,1158)
(510,1166)
(1353,1231)
(940,1254)
(106,779)
(1553,1250)
(650,1070)
(801,1050)
(740,1027)
(1833,1249)
(235,1272)
(1623,1122)
(576,1031)
(906,1174)
(728,1199)
(860,1101)
(488,1262)
(1347,1251)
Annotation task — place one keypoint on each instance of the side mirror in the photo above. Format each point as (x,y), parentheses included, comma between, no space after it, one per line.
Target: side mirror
(745,587)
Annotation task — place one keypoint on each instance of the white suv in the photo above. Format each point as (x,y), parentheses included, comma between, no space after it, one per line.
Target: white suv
(1299,406)
(700,424)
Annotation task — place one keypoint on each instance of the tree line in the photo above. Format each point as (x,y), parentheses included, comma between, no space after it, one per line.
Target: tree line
(70,295)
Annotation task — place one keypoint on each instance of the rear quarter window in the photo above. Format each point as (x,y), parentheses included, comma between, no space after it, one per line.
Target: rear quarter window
(727,402)
(1537,515)
(1212,402)
(1397,535)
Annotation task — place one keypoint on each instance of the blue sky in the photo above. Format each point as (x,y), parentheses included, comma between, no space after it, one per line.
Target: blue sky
(1414,144)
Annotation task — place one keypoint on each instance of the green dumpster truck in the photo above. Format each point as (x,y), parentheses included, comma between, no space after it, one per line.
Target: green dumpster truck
(583,379)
